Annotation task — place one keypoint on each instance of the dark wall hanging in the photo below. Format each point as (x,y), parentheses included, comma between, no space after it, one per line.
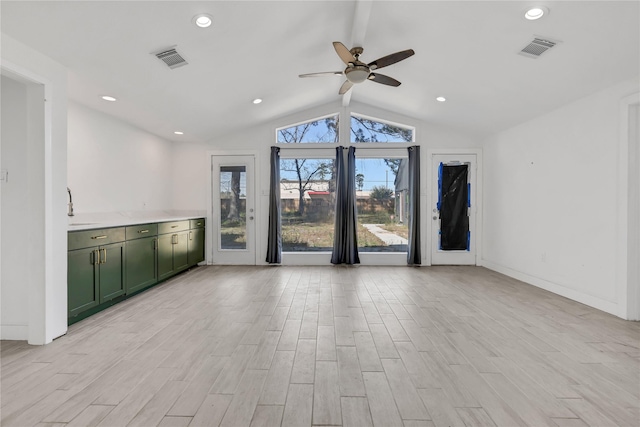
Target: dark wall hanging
(453,204)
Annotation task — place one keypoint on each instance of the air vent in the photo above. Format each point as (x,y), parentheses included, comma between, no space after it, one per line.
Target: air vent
(171,57)
(537,47)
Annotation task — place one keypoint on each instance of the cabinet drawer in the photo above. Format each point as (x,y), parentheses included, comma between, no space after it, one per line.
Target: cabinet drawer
(173,226)
(197,223)
(140,231)
(89,238)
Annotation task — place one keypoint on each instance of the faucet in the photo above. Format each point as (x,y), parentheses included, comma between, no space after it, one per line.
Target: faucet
(70,213)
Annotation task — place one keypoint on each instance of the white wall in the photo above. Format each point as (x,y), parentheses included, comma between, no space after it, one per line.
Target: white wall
(551,199)
(630,142)
(46,237)
(191,180)
(114,166)
(14,295)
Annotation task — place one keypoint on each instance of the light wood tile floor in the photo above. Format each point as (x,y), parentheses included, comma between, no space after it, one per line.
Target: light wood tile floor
(301,346)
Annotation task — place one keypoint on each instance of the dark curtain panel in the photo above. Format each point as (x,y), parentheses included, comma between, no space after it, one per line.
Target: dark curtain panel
(454,219)
(351,225)
(274,238)
(413,251)
(345,241)
(338,244)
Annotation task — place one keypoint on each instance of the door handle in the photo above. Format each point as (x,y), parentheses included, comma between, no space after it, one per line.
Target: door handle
(104,251)
(191,235)
(174,239)
(96,256)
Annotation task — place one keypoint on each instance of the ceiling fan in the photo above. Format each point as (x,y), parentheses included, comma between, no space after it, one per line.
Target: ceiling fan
(357,71)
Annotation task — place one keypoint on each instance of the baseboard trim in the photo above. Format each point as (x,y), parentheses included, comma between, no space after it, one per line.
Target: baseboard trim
(590,300)
(14,332)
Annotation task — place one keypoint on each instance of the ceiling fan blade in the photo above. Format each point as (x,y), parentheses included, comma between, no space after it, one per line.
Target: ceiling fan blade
(324,73)
(345,87)
(391,59)
(382,79)
(343,53)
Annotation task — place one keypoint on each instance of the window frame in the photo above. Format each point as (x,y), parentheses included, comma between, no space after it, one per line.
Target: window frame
(312,153)
(386,122)
(317,119)
(320,150)
(395,152)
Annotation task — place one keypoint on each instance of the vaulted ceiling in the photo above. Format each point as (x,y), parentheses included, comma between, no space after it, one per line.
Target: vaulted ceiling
(465,51)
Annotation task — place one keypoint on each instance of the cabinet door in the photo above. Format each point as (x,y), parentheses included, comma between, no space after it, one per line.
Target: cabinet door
(82,280)
(181,251)
(111,270)
(141,265)
(196,246)
(165,256)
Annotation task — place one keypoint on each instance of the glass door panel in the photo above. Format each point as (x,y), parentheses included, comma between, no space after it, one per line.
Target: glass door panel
(233,210)
(233,207)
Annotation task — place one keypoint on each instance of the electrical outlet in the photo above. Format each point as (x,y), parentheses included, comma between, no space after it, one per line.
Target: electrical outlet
(543,257)
(4,175)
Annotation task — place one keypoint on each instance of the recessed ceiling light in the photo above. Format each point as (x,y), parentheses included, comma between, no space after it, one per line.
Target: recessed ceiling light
(257,101)
(202,20)
(441,99)
(179,132)
(108,98)
(536,13)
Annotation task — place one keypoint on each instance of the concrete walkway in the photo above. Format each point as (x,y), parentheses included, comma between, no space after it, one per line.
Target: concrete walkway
(386,236)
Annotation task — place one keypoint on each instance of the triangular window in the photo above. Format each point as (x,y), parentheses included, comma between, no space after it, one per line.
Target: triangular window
(322,130)
(367,129)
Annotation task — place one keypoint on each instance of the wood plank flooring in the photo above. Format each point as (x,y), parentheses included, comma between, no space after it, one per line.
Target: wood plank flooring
(302,346)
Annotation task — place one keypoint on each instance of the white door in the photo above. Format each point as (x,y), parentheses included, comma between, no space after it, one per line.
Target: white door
(453,209)
(233,210)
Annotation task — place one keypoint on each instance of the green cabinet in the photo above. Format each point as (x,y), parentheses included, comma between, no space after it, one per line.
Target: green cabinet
(95,273)
(111,271)
(141,263)
(82,293)
(173,248)
(196,242)
(165,256)
(106,266)
(181,251)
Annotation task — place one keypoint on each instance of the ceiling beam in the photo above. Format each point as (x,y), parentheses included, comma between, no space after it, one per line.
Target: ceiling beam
(358,33)
(360,22)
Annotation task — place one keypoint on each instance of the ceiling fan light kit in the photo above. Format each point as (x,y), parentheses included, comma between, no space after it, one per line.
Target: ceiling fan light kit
(357,71)
(357,74)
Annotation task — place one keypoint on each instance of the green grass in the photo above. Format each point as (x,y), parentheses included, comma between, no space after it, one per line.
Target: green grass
(233,237)
(398,229)
(306,236)
(375,218)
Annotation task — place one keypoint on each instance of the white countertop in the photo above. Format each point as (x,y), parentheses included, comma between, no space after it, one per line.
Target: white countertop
(91,221)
